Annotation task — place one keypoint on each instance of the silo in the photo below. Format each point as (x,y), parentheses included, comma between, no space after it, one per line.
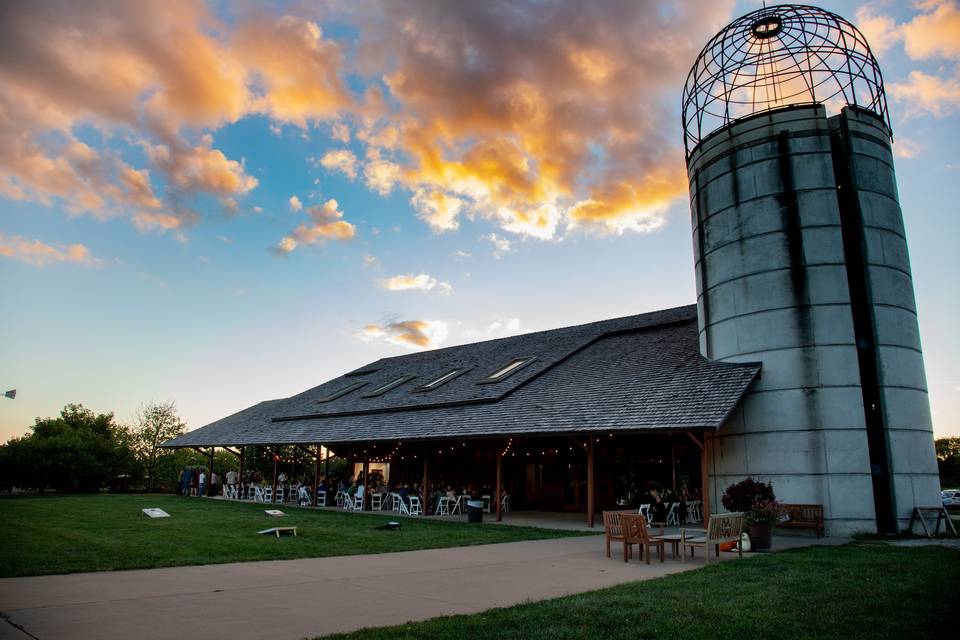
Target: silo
(802,265)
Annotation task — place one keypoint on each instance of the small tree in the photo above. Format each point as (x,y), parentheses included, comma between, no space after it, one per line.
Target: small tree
(948,461)
(153,424)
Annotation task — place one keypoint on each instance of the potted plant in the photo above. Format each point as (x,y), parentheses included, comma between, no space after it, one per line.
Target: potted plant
(761,519)
(757,501)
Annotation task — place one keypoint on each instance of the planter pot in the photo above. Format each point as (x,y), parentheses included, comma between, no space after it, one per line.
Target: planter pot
(761,537)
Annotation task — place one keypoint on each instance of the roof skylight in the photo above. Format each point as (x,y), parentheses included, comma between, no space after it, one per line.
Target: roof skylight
(507,370)
(444,379)
(382,389)
(342,391)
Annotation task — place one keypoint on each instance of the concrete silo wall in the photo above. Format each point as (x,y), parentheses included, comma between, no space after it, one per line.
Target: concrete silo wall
(773,286)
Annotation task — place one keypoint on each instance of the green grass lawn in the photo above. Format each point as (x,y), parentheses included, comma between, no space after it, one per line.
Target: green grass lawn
(869,591)
(66,534)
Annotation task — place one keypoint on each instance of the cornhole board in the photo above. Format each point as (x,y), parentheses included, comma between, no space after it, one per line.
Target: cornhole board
(274,513)
(155,513)
(279,531)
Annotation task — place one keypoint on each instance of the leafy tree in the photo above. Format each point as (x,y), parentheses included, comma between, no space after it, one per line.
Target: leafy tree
(948,461)
(153,424)
(78,451)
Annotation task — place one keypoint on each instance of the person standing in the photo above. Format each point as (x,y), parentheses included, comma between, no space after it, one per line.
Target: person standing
(202,483)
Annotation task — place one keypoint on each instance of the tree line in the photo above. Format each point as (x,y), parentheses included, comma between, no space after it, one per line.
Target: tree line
(81,451)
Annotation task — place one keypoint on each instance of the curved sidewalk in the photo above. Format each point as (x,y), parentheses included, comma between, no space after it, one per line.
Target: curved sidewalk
(297,598)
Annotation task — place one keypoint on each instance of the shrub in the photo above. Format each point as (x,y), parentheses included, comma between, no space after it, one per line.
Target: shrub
(743,495)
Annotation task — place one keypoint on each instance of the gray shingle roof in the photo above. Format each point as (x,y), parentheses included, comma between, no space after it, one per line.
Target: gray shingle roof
(638,372)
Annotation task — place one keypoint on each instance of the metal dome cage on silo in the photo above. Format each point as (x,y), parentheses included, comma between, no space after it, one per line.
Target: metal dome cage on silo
(776,57)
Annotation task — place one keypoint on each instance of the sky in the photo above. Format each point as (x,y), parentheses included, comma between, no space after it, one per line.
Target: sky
(220,203)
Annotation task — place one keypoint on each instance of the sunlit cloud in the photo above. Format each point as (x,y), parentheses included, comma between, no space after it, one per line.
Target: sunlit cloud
(416,282)
(39,254)
(501,245)
(416,334)
(326,223)
(499,328)
(491,117)
(295,204)
(925,94)
(906,148)
(162,74)
(340,132)
(935,33)
(881,31)
(341,160)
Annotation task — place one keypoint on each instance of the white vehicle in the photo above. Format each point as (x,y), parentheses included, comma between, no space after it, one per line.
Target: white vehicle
(950,498)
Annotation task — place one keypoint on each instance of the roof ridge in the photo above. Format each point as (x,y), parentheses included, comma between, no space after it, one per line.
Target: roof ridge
(690,308)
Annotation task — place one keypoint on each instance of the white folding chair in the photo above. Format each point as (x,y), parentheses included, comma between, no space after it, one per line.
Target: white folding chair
(416,509)
(486,503)
(347,502)
(402,508)
(339,498)
(443,506)
(358,502)
(645,511)
(396,502)
(376,501)
(322,498)
(505,504)
(672,519)
(303,497)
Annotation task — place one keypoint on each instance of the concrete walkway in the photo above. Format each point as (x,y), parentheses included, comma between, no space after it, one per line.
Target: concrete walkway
(298,598)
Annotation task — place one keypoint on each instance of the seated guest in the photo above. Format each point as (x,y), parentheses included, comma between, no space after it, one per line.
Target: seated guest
(658,509)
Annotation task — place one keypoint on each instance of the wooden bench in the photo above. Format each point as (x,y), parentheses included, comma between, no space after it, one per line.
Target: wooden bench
(723,527)
(803,516)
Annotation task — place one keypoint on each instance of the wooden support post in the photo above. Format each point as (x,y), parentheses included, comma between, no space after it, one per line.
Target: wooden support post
(591,489)
(366,483)
(497,494)
(704,474)
(316,476)
(705,481)
(243,451)
(273,495)
(673,463)
(210,472)
(426,481)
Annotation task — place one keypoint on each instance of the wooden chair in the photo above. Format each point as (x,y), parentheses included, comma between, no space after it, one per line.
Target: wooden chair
(723,527)
(633,527)
(613,530)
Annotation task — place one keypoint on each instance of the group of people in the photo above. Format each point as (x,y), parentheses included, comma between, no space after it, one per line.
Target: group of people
(660,504)
(193,481)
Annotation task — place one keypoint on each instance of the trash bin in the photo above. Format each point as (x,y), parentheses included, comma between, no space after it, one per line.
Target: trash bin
(474,510)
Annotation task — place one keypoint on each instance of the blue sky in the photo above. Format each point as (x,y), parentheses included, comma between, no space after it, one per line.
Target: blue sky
(184,289)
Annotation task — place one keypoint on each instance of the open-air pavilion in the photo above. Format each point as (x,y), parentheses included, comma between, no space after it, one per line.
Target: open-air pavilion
(574,419)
